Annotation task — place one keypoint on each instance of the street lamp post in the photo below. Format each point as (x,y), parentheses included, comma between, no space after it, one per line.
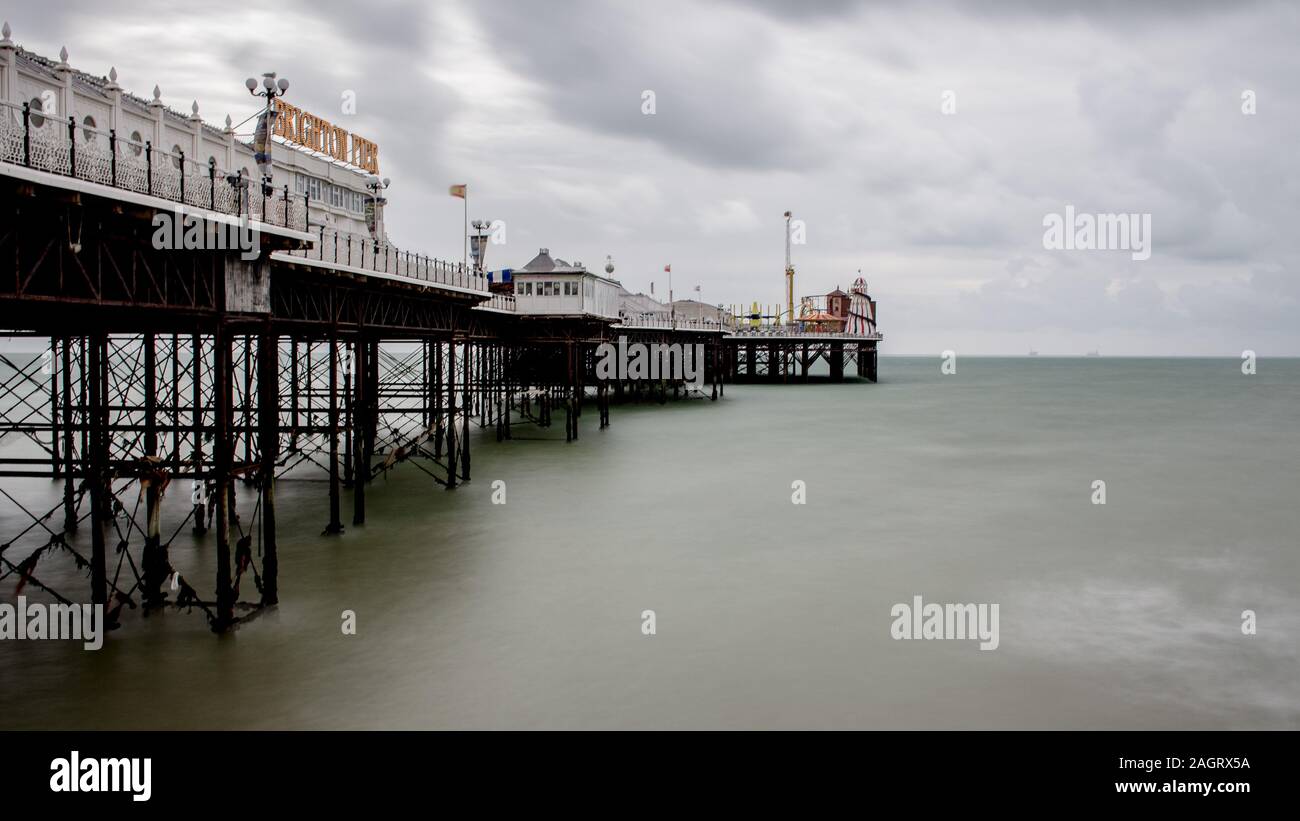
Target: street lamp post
(375,185)
(478,244)
(271,89)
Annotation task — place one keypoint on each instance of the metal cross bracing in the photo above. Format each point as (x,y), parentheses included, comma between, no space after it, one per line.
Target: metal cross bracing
(128,416)
(168,396)
(789,359)
(148,434)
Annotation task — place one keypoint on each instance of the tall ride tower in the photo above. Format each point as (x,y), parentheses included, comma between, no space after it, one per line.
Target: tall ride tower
(789,275)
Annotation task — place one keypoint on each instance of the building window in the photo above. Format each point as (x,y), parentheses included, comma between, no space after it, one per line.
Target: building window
(528,288)
(137,143)
(88,132)
(36,119)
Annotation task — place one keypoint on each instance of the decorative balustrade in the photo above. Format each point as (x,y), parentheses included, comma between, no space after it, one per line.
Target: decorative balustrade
(672,324)
(366,253)
(500,302)
(61,146)
(796,330)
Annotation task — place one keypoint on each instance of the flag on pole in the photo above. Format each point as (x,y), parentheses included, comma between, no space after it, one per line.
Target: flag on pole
(668,269)
(458,191)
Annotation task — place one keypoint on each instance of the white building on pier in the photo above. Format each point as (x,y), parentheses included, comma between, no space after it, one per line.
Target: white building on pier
(553,287)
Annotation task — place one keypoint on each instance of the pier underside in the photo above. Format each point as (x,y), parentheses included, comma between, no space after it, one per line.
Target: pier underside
(166,378)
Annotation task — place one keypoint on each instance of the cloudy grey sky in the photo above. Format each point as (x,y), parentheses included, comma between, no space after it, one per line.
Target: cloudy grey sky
(831,110)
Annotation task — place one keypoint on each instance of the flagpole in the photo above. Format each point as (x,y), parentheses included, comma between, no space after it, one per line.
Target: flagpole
(672,309)
(465,233)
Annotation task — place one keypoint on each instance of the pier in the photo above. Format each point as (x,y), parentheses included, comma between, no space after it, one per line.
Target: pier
(326,351)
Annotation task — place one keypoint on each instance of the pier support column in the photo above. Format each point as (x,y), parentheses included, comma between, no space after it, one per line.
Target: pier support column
(223,452)
(349,418)
(200,477)
(335,524)
(451,413)
(715,368)
(69,475)
(467,408)
(360,428)
(154,559)
(837,361)
(436,386)
(99,476)
(57,467)
(293,393)
(268,445)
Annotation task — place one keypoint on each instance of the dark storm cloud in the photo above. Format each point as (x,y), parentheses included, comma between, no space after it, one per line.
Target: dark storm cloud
(828,109)
(716,100)
(1109,10)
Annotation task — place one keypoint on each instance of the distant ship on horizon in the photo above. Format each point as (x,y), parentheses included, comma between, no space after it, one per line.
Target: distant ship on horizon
(1093,352)
(1033,353)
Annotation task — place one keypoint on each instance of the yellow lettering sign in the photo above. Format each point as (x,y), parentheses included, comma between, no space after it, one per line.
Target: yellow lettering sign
(309,131)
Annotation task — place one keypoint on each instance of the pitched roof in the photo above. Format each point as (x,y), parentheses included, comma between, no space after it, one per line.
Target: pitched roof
(543,263)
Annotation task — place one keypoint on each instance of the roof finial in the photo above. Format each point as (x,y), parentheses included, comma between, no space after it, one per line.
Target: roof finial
(63,60)
(229,127)
(157,94)
(194,110)
(5,31)
(112,79)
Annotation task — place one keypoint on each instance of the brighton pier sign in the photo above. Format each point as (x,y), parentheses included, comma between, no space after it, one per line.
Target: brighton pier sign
(309,131)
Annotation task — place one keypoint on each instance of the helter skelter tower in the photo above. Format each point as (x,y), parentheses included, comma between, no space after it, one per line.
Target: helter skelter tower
(862,310)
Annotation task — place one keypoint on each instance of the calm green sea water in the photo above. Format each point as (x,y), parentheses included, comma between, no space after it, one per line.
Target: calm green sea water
(974,487)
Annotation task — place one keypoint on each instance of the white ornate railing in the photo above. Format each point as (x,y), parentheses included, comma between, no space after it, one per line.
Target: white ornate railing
(61,146)
(500,302)
(344,248)
(671,324)
(791,330)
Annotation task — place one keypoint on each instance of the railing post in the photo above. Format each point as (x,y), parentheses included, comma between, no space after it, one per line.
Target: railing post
(286,205)
(212,181)
(72,145)
(112,155)
(181,198)
(27,134)
(148,167)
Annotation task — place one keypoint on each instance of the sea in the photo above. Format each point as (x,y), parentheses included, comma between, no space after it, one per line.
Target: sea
(737,564)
